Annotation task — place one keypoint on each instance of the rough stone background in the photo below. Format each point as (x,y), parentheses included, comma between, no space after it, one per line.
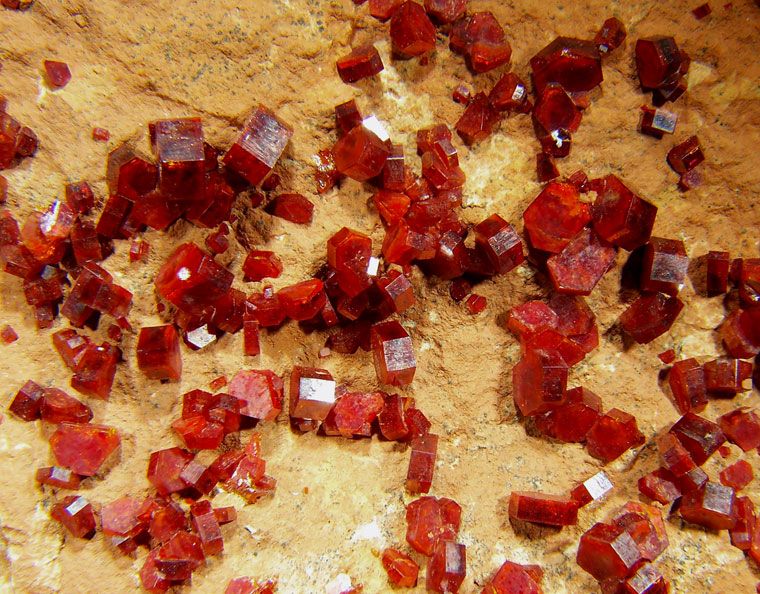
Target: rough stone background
(141,60)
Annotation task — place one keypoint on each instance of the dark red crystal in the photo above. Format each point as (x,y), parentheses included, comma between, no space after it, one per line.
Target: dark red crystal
(419,476)
(58,407)
(510,94)
(539,382)
(402,570)
(571,421)
(312,393)
(612,435)
(541,508)
(699,436)
(393,354)
(725,376)
(27,401)
(447,567)
(687,385)
(478,120)
(57,73)
(607,551)
(158,354)
(713,506)
(363,61)
(650,316)
(611,36)
(665,266)
(76,515)
(742,427)
(580,265)
(686,156)
(737,475)
(573,63)
(555,216)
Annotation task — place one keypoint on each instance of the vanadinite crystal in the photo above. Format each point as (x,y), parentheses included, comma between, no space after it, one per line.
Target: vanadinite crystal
(45,233)
(674,457)
(158,354)
(361,154)
(178,146)
(738,475)
(260,393)
(657,122)
(59,477)
(412,33)
(83,448)
(686,156)
(363,61)
(542,508)
(58,407)
(713,506)
(480,38)
(261,264)
(206,526)
(349,252)
(165,468)
(510,94)
(260,145)
(725,376)
(650,316)
(608,552)
(700,437)
(295,208)
(191,279)
(303,300)
(578,268)
(419,475)
(445,11)
(595,488)
(571,421)
(95,372)
(312,393)
(610,36)
(57,73)
(447,567)
(620,216)
(613,434)
(539,382)
(512,578)
(393,354)
(27,402)
(402,570)
(658,60)
(555,217)
(178,557)
(430,520)
(76,515)
(573,63)
(246,585)
(501,244)
(645,525)
(740,333)
(665,266)
(687,384)
(742,427)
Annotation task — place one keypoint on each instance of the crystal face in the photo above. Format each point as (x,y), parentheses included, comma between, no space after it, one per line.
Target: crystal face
(573,63)
(419,475)
(393,354)
(83,448)
(259,146)
(312,393)
(412,33)
(607,552)
(402,570)
(447,567)
(363,62)
(555,217)
(541,508)
(158,354)
(360,154)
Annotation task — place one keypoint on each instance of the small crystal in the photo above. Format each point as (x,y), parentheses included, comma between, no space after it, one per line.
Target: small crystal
(700,437)
(402,570)
(393,354)
(539,382)
(447,567)
(725,376)
(58,407)
(620,216)
(312,393)
(158,354)
(478,120)
(541,508)
(295,208)
(27,402)
(57,73)
(737,476)
(573,63)
(650,316)
(613,434)
(76,515)
(165,467)
(665,266)
(363,61)
(687,384)
(742,427)
(430,520)
(611,36)
(412,33)
(261,264)
(595,488)
(419,475)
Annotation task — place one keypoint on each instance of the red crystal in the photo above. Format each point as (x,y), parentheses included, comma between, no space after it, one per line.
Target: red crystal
(541,508)
(447,567)
(402,245)
(392,420)
(95,372)
(83,448)
(737,476)
(393,354)
(430,520)
(165,467)
(158,354)
(742,427)
(206,527)
(712,506)
(295,208)
(95,289)
(101,135)
(480,38)
(178,146)
(645,525)
(462,94)
(58,407)
(650,316)
(595,488)
(687,384)
(702,11)
(512,578)
(699,436)
(621,217)
(57,73)
(178,557)
(245,585)
(412,33)
(259,146)
(691,481)
(312,393)
(261,264)
(391,206)
(510,94)
(573,63)
(580,265)
(445,11)
(657,122)
(725,376)
(658,60)
(76,515)
(501,244)
(531,318)
(665,266)
(383,9)
(740,333)
(396,292)
(478,120)
(259,393)
(395,174)
(555,216)
(659,485)
(266,308)
(571,422)
(27,402)
(742,532)
(363,61)
(674,456)
(56,476)
(326,176)
(546,168)
(217,242)
(349,252)
(303,300)
(79,197)
(419,475)
(354,413)
(121,518)
(8,335)
(198,433)
(612,435)
(402,570)
(139,250)
(347,117)
(555,109)
(539,381)
(251,344)
(360,154)
(44,234)
(686,156)
(607,552)
(191,279)
(611,36)
(476,304)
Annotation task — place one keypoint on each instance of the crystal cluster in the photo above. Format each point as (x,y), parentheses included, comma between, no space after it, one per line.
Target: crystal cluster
(16,141)
(93,365)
